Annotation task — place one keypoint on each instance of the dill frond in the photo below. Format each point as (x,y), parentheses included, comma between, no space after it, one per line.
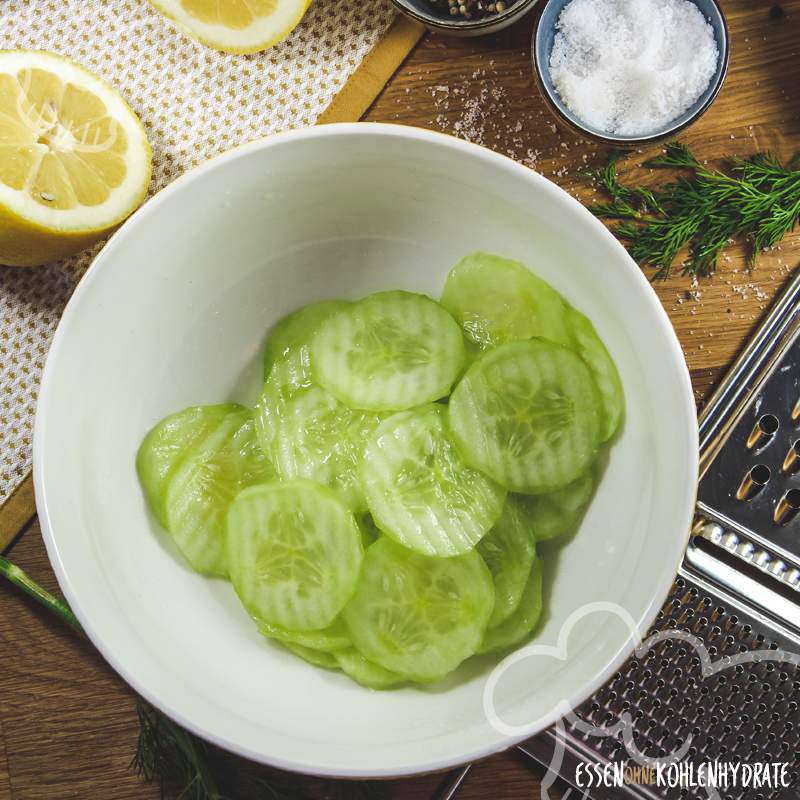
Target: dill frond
(755,199)
(172,757)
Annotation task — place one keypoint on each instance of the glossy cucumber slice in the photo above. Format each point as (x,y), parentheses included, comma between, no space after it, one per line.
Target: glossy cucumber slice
(334,637)
(389,351)
(497,300)
(591,349)
(416,615)
(287,377)
(319,658)
(366,672)
(556,513)
(319,438)
(521,623)
(419,490)
(203,486)
(527,414)
(509,550)
(287,364)
(167,444)
(295,331)
(294,553)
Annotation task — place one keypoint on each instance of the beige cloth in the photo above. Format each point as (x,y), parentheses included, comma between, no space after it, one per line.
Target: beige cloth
(194,103)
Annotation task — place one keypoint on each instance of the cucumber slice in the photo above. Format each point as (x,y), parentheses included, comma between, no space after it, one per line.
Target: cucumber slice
(366,672)
(295,331)
(388,352)
(496,300)
(201,489)
(287,377)
(509,550)
(334,637)
(419,490)
(287,364)
(550,515)
(591,349)
(319,438)
(419,616)
(167,444)
(528,415)
(521,623)
(319,658)
(294,553)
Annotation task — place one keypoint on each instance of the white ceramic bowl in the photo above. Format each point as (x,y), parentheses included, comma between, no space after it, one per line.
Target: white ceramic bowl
(174,312)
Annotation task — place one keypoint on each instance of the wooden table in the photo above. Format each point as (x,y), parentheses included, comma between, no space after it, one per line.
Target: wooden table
(67,722)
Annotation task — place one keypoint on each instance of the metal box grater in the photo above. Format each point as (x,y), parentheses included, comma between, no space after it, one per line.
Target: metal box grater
(737,590)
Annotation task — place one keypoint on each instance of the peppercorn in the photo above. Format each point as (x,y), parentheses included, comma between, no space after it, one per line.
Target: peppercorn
(472,9)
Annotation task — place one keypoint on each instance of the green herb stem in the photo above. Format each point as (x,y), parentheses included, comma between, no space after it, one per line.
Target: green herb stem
(23,581)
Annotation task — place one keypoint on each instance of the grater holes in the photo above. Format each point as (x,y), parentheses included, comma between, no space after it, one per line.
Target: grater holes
(764,429)
(791,461)
(754,480)
(787,507)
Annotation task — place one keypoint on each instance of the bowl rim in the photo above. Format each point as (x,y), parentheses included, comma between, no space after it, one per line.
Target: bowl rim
(659,318)
(625,142)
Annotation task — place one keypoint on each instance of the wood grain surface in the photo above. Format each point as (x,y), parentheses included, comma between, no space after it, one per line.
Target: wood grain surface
(67,722)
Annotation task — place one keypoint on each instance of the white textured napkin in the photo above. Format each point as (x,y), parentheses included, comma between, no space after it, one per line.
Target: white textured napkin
(194,103)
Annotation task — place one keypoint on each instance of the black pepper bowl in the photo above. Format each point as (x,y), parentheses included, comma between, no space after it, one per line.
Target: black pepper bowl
(544,32)
(436,16)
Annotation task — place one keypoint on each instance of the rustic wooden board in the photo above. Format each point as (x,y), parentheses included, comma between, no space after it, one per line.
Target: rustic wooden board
(67,722)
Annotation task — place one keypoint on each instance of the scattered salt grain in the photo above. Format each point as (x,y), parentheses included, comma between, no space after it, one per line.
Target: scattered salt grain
(630,67)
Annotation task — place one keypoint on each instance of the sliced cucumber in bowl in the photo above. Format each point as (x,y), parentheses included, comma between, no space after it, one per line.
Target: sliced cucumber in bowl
(420,491)
(379,513)
(528,415)
(418,615)
(294,553)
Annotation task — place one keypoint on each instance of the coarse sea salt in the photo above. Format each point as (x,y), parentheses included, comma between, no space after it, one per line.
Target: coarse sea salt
(630,67)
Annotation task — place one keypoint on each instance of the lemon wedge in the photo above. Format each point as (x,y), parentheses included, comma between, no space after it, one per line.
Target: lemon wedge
(74,158)
(235,26)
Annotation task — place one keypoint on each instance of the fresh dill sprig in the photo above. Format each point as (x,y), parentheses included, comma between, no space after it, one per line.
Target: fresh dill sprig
(756,199)
(172,757)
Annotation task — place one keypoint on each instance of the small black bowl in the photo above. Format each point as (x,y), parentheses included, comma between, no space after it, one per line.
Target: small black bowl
(543,35)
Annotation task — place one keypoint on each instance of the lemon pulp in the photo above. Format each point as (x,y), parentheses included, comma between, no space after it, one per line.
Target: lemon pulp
(74,159)
(235,26)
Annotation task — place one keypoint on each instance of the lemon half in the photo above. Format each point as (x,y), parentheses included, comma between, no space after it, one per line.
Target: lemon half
(74,158)
(235,26)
